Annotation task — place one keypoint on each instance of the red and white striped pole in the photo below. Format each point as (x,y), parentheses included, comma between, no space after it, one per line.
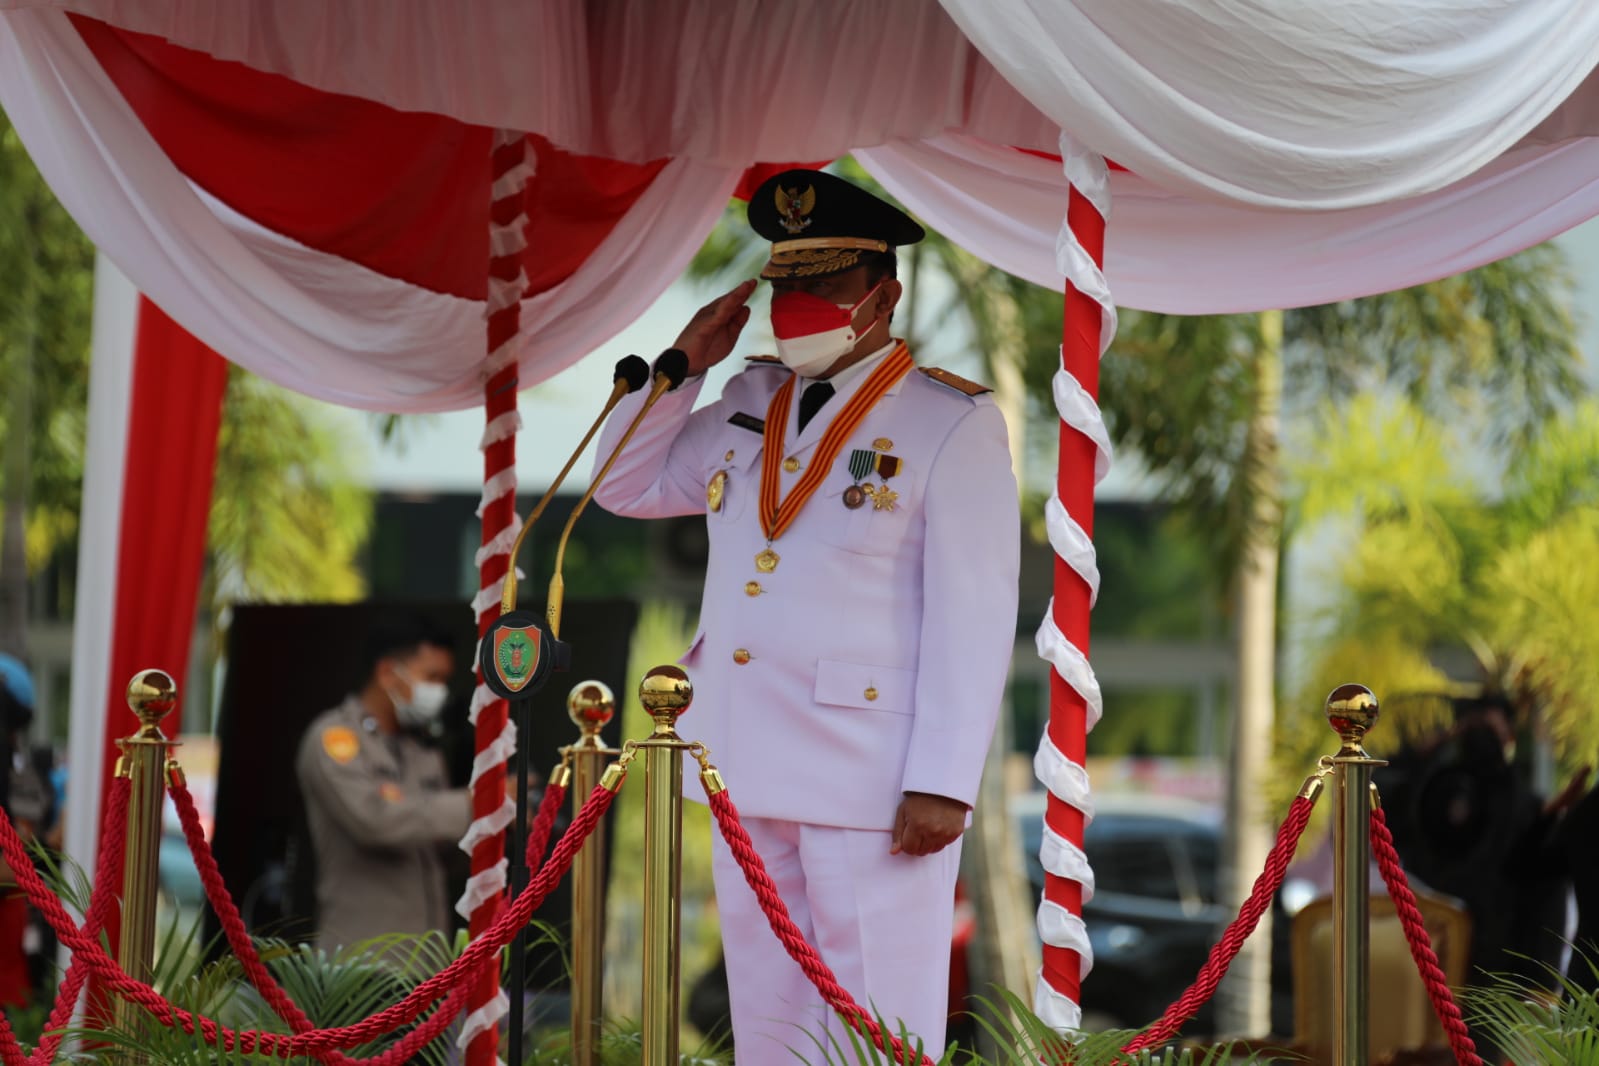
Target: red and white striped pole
(1074,698)
(495,739)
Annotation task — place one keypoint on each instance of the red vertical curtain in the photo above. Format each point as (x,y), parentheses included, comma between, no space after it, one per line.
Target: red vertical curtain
(174,412)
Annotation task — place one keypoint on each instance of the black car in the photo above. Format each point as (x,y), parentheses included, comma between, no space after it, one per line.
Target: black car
(1154,916)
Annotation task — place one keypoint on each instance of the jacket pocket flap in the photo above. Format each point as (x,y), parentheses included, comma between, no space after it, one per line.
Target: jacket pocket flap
(877,688)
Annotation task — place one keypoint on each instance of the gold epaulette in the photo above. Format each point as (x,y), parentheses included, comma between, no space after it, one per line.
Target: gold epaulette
(954,381)
(764,360)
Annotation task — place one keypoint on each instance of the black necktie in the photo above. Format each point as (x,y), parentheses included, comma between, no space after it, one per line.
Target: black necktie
(816,394)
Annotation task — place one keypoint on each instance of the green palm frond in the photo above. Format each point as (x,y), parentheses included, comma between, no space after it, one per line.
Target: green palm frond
(1531,1025)
(1558,472)
(288,517)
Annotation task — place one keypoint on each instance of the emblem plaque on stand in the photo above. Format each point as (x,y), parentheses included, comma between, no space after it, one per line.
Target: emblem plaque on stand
(517,654)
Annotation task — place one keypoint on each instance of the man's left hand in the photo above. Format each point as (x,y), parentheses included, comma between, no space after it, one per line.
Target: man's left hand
(926,824)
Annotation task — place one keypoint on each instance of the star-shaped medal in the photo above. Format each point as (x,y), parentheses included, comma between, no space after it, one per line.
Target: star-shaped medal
(883,497)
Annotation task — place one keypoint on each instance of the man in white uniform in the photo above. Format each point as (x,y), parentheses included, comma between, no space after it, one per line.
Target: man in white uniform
(858,615)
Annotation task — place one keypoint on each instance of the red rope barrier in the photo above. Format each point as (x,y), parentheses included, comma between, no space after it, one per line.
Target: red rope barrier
(538,834)
(103,895)
(836,995)
(255,969)
(403,1051)
(216,893)
(261,978)
(1432,975)
(102,898)
(10,1046)
(1232,941)
(280,1045)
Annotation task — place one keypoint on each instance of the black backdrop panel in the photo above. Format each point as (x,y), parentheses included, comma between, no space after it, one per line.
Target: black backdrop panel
(288,664)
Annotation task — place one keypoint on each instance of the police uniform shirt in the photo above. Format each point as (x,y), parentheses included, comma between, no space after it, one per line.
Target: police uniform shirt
(872,660)
(379,813)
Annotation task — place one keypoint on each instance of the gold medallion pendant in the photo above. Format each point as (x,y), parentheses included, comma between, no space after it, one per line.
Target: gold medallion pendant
(767,561)
(883,497)
(854,496)
(715,490)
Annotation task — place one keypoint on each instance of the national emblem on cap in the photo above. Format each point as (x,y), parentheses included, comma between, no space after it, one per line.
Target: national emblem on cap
(794,207)
(820,224)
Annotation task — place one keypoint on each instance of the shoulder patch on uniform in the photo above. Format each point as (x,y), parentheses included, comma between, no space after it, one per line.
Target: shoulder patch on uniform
(954,381)
(763,360)
(341,743)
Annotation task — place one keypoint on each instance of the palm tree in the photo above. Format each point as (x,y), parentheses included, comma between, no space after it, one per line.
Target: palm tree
(1429,560)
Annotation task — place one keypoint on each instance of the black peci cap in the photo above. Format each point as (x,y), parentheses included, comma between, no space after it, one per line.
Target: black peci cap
(819,224)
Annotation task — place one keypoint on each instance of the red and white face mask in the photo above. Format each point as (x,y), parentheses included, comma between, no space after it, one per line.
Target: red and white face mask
(813,333)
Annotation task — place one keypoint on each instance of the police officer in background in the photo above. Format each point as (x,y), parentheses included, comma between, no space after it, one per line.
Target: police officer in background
(858,614)
(376,800)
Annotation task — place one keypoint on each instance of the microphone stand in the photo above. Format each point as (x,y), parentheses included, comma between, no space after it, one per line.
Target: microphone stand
(670,369)
(631,374)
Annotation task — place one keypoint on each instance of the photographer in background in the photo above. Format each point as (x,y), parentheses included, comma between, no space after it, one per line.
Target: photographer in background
(1468,824)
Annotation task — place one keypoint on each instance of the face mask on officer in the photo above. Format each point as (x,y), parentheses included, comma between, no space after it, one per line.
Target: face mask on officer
(425,704)
(813,333)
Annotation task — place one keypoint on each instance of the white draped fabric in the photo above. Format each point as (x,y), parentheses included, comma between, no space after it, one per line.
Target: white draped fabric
(1165,252)
(1287,103)
(1292,103)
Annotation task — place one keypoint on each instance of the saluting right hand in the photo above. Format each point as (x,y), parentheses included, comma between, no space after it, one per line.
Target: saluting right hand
(710,335)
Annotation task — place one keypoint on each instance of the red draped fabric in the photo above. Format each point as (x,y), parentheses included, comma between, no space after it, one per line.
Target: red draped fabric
(175,408)
(398,192)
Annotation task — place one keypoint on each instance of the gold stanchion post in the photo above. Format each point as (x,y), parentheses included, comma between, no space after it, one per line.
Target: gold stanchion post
(665,693)
(1352,710)
(591,706)
(152,694)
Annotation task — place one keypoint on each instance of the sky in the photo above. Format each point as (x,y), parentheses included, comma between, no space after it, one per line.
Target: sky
(438,453)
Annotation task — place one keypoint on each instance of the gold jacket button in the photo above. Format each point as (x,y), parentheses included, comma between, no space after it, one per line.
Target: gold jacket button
(728,458)
(741,656)
(871,694)
(791,464)
(753,588)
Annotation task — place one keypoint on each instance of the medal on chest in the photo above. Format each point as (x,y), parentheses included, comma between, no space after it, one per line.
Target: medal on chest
(778,511)
(863,463)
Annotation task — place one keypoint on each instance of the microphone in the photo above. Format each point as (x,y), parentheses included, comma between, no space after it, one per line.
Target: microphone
(671,368)
(630,375)
(633,370)
(673,364)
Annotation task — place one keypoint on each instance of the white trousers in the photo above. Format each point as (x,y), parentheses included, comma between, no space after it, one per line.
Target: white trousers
(881,922)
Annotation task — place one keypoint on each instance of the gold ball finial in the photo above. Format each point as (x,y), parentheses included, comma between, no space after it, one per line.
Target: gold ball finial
(151,695)
(666,693)
(591,706)
(1351,711)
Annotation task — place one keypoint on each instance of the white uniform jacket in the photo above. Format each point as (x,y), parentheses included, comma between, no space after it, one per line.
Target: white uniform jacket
(872,661)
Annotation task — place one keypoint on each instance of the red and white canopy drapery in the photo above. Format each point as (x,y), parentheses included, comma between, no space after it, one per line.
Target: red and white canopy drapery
(301,186)
(315,238)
